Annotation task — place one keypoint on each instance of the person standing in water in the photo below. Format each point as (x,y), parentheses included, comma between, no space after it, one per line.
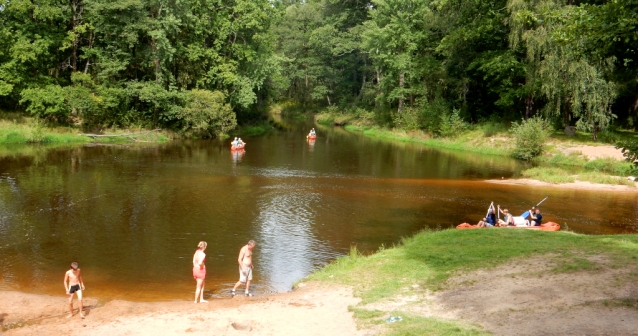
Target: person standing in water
(199,271)
(73,284)
(245,261)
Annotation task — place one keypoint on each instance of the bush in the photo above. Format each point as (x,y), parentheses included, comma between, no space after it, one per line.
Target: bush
(452,124)
(407,119)
(531,135)
(431,112)
(207,113)
(47,102)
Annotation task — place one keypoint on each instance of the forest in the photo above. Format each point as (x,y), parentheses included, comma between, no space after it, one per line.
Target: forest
(202,66)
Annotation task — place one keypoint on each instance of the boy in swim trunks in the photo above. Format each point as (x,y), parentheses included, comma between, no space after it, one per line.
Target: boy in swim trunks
(74,279)
(245,261)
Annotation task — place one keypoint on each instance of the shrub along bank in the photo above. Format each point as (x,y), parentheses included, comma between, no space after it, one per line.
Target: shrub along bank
(429,258)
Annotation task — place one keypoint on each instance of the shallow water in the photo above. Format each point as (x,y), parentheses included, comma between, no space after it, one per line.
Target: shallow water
(132,215)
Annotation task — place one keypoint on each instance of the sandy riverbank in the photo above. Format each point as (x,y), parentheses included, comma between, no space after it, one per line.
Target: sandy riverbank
(579,185)
(313,309)
(522,297)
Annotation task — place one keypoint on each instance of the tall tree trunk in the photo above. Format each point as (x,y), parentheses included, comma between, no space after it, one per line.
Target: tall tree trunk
(379,78)
(77,8)
(401,85)
(157,61)
(529,106)
(634,109)
(363,85)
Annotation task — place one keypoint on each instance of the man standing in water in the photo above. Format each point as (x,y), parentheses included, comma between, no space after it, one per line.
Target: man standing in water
(245,261)
(72,283)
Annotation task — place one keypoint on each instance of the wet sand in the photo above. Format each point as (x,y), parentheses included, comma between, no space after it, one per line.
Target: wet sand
(313,309)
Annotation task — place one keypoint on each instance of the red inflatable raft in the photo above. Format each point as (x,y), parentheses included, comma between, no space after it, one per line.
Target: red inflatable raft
(311,137)
(549,226)
(237,148)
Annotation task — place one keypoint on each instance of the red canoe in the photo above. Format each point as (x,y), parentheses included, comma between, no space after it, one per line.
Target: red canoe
(311,137)
(236,148)
(549,226)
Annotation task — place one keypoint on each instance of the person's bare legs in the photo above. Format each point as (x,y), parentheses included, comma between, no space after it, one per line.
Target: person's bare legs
(201,297)
(237,285)
(247,286)
(199,289)
(80,303)
(70,306)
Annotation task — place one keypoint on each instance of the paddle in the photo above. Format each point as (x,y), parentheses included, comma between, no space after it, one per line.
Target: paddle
(488,209)
(526,213)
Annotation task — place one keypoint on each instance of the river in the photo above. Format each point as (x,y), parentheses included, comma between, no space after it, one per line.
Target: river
(132,215)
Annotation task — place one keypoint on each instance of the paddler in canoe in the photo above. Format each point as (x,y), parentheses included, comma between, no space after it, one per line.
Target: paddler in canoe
(535,222)
(312,134)
(508,219)
(490,219)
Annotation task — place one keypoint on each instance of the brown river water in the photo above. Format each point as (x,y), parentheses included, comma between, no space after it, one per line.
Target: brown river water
(132,215)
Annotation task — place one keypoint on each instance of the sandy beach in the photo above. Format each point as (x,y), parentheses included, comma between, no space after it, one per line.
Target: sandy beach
(521,297)
(578,185)
(313,309)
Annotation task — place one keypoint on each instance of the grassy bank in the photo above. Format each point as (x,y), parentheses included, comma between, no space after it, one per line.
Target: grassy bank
(16,129)
(495,138)
(429,258)
(558,175)
(470,141)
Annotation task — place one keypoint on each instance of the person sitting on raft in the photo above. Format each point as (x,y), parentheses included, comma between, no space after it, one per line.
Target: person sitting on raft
(508,219)
(240,142)
(234,143)
(537,217)
(312,132)
(489,220)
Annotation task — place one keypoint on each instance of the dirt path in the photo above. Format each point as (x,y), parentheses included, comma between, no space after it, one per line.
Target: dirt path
(312,310)
(593,152)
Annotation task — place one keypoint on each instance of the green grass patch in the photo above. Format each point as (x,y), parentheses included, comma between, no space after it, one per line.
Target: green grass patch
(602,178)
(418,325)
(573,159)
(549,174)
(411,324)
(429,258)
(609,165)
(22,133)
(470,141)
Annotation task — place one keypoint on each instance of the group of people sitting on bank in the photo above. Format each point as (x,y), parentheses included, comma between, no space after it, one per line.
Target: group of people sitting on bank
(532,218)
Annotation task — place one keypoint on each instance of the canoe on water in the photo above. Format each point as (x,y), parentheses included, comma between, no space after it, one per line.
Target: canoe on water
(549,226)
(311,137)
(236,148)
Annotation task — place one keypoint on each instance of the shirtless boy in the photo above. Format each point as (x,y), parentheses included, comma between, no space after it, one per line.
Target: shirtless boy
(72,283)
(245,261)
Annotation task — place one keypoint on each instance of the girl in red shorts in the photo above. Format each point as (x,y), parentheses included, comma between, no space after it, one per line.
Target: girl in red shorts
(199,271)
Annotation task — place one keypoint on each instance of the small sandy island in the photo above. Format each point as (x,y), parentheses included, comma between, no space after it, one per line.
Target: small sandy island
(580,185)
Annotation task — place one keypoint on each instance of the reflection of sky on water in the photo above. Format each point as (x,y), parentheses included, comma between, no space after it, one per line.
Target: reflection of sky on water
(288,247)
